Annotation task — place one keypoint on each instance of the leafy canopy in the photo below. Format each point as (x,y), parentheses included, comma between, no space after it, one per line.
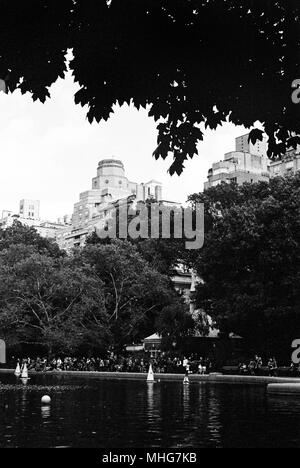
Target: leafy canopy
(137,297)
(51,303)
(193,62)
(101,296)
(250,263)
(28,238)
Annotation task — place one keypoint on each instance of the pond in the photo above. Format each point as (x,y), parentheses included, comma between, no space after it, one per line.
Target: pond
(91,412)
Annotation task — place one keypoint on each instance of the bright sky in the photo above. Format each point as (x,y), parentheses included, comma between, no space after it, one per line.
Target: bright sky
(50,152)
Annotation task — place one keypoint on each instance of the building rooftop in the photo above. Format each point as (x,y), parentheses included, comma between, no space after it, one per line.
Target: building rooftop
(111,162)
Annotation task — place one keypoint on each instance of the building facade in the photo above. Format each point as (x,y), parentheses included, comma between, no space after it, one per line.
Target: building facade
(30,209)
(288,165)
(243,145)
(248,163)
(110,188)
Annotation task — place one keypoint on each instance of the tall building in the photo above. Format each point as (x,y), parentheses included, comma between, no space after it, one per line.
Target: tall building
(29,215)
(109,187)
(30,209)
(3,86)
(290,164)
(243,145)
(248,163)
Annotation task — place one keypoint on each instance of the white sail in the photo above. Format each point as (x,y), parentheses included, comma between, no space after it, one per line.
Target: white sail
(18,370)
(24,374)
(150,377)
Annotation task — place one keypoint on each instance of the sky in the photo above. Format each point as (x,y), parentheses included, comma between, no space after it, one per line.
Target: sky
(50,152)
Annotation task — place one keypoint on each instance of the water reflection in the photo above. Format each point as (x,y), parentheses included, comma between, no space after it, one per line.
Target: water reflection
(214,425)
(152,417)
(186,400)
(46,412)
(23,401)
(150,398)
(24,381)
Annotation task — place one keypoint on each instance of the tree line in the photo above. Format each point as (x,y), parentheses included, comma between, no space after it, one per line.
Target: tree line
(250,264)
(105,295)
(116,292)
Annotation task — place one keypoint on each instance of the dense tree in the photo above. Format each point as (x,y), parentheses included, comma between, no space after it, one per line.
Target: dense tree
(250,262)
(193,62)
(19,234)
(103,295)
(52,303)
(177,323)
(137,296)
(161,253)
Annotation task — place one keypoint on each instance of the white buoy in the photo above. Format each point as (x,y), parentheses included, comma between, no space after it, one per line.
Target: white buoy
(46,400)
(24,374)
(150,377)
(186,380)
(18,370)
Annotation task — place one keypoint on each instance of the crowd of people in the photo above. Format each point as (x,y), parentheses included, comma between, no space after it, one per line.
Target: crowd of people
(162,363)
(114,363)
(256,367)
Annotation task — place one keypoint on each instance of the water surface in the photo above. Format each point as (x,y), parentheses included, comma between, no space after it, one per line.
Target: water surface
(118,413)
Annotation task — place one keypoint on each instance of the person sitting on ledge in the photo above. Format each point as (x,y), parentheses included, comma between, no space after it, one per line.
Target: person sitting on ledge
(243,369)
(252,367)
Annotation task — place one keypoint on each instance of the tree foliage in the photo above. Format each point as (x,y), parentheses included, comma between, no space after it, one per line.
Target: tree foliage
(19,234)
(162,254)
(101,296)
(137,297)
(193,62)
(51,303)
(250,262)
